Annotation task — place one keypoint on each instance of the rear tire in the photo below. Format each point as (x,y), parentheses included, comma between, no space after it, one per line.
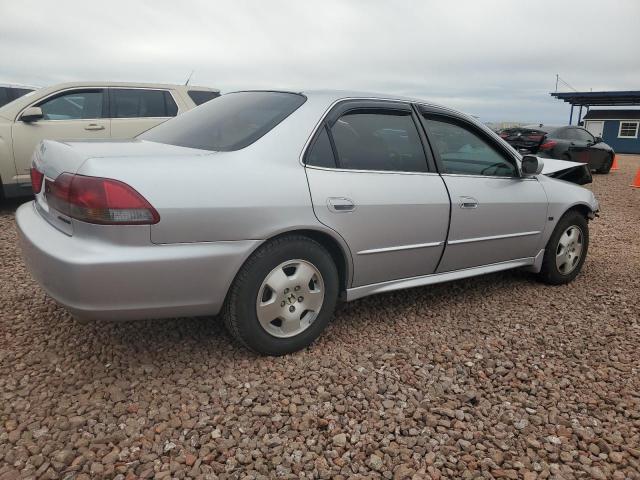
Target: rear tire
(283,296)
(606,166)
(566,250)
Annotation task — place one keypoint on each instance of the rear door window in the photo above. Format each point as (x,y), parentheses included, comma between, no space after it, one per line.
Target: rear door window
(232,122)
(201,96)
(141,103)
(321,153)
(385,140)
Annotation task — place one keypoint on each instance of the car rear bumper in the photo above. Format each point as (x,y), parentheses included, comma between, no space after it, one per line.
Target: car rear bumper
(101,280)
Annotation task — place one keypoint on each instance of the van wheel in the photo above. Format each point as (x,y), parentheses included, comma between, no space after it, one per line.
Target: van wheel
(566,250)
(283,296)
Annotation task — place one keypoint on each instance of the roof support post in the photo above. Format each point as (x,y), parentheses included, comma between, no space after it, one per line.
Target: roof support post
(579,115)
(571,115)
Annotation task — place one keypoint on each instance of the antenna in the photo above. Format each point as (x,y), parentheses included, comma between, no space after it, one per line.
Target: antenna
(189,79)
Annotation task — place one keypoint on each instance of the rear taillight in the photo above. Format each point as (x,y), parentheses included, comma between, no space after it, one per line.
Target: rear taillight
(99,200)
(36,180)
(534,138)
(548,145)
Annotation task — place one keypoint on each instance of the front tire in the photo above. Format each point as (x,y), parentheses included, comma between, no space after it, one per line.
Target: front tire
(566,250)
(606,166)
(283,296)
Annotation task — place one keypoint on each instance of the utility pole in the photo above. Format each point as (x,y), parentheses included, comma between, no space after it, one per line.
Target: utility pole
(557,75)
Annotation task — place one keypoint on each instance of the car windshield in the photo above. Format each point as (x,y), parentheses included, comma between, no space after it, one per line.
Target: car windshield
(227,123)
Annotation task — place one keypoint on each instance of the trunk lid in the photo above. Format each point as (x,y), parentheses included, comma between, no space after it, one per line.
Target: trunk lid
(53,158)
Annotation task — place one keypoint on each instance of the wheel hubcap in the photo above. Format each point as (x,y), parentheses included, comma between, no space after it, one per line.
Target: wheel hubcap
(290,298)
(569,250)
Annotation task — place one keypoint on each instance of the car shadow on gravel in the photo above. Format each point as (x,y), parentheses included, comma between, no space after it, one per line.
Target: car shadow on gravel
(8,205)
(199,338)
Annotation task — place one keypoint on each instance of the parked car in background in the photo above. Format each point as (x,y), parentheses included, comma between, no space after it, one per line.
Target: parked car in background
(84,110)
(8,93)
(288,202)
(562,142)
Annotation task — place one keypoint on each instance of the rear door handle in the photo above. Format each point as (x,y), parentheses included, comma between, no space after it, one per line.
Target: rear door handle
(94,126)
(340,204)
(468,202)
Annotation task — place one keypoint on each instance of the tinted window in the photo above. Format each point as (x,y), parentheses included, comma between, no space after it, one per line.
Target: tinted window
(382,140)
(463,151)
(4,96)
(19,92)
(201,96)
(137,103)
(75,105)
(321,154)
(232,122)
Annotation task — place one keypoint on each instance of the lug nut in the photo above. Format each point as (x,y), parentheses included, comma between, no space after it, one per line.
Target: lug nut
(297,288)
(292,308)
(283,303)
(300,299)
(286,290)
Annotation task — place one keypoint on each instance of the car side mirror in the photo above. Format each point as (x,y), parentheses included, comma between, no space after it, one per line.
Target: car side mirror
(32,114)
(532,165)
(598,140)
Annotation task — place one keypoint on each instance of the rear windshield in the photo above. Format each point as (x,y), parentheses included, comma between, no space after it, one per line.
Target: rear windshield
(233,121)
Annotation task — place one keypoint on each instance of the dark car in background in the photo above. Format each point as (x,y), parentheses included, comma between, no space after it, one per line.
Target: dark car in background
(562,142)
(8,93)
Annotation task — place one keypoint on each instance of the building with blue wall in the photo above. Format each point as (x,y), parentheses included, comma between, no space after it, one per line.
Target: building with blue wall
(618,128)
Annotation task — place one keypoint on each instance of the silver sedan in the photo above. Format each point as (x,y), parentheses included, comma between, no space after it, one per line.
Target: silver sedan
(269,206)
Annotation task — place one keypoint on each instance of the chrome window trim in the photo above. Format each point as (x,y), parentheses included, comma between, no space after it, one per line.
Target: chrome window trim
(498,177)
(71,89)
(348,170)
(400,248)
(492,237)
(320,123)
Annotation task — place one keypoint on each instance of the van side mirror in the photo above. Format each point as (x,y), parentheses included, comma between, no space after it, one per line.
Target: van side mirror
(32,114)
(599,140)
(532,165)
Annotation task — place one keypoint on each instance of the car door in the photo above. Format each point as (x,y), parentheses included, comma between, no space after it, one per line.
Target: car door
(596,155)
(579,147)
(136,110)
(496,215)
(370,181)
(67,115)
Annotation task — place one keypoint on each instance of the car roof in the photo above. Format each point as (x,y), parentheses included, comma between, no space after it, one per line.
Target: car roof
(331,96)
(128,84)
(17,85)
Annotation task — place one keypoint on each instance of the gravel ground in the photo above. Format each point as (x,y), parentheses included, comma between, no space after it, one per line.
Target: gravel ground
(493,377)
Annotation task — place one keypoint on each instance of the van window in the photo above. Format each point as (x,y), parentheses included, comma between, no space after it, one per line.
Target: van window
(140,103)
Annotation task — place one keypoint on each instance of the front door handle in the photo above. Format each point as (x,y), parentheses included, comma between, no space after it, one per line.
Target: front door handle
(468,202)
(94,126)
(340,204)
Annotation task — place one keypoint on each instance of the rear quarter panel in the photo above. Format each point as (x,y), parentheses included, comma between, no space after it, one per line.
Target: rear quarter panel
(254,193)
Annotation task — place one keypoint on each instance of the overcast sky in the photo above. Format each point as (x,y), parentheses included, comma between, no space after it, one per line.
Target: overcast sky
(493,59)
